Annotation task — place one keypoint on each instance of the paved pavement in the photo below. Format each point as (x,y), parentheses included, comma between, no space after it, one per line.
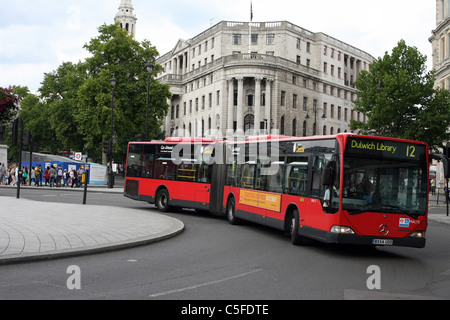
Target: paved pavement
(32,231)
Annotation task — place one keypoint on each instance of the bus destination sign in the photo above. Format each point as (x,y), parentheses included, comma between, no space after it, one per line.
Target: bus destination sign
(386,148)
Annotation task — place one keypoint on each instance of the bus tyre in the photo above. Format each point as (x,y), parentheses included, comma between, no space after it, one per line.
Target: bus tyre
(296,239)
(231,207)
(162,200)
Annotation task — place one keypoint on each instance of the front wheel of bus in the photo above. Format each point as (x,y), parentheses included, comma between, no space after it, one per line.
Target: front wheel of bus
(296,239)
(162,200)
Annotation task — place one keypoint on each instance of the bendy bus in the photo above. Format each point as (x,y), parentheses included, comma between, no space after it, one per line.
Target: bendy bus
(344,189)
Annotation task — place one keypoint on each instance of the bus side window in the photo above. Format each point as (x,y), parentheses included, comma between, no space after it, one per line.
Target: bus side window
(275,181)
(248,176)
(231,175)
(204,175)
(134,167)
(317,189)
(148,157)
(297,178)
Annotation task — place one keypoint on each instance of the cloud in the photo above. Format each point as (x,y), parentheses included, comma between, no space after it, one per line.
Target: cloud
(43,34)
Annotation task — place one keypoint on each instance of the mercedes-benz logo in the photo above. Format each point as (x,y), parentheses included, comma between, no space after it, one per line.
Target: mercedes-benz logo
(383,229)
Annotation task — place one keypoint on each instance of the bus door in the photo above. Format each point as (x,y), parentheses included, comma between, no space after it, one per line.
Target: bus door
(203,185)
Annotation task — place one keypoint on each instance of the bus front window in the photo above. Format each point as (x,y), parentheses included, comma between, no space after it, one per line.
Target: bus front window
(390,186)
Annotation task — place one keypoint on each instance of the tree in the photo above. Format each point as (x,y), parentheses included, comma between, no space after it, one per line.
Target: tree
(399,99)
(115,53)
(60,92)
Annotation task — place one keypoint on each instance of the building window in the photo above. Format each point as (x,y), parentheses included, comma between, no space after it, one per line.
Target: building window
(294,101)
(270,39)
(282,125)
(294,127)
(283,98)
(254,38)
(237,39)
(249,122)
(250,98)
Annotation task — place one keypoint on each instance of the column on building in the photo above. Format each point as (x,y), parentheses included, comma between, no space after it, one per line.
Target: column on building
(257,125)
(230,103)
(268,104)
(240,106)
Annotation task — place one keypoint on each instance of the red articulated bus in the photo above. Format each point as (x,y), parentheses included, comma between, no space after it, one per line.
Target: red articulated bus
(345,189)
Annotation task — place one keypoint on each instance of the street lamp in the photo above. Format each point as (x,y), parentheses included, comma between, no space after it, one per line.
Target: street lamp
(150,67)
(111,174)
(315,109)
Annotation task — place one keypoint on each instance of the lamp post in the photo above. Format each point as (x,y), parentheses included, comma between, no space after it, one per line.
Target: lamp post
(150,66)
(315,109)
(111,174)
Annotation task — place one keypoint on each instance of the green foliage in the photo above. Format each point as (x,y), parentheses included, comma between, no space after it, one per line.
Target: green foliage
(399,99)
(74,109)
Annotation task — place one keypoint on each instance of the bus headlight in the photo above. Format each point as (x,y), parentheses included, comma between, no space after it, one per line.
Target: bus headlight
(418,234)
(342,230)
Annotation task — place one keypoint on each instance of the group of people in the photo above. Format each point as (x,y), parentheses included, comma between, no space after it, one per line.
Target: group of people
(38,176)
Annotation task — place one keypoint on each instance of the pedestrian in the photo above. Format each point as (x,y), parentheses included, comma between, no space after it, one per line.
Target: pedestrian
(33,176)
(2,173)
(25,176)
(66,178)
(38,172)
(52,173)
(59,176)
(80,176)
(47,175)
(433,186)
(74,177)
(8,177)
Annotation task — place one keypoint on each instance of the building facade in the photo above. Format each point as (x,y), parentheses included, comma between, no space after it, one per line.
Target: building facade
(282,79)
(440,41)
(126,17)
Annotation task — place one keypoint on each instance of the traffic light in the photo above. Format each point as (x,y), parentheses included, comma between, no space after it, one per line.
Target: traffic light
(107,147)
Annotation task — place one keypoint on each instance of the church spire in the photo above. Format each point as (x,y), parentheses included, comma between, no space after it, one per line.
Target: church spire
(126,17)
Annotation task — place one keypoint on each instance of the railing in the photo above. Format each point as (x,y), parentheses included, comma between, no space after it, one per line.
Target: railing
(240,59)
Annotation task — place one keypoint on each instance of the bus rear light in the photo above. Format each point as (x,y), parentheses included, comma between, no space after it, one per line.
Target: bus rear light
(342,230)
(418,234)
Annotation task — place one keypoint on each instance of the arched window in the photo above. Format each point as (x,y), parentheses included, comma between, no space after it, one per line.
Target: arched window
(249,122)
(294,127)
(282,125)
(324,130)
(304,128)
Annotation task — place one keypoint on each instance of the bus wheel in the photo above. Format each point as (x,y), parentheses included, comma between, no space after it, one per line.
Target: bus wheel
(162,200)
(231,205)
(296,239)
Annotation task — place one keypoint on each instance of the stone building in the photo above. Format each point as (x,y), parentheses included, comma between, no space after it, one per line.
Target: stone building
(282,79)
(440,41)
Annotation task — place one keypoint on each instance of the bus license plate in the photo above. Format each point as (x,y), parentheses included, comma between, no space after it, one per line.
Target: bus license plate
(383,242)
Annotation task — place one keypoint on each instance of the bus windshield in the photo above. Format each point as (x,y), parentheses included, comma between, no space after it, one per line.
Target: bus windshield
(388,185)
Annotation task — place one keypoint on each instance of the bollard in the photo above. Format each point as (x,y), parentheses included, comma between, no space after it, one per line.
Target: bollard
(84,180)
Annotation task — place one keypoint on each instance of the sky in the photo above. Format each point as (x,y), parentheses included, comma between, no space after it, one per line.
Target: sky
(37,36)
